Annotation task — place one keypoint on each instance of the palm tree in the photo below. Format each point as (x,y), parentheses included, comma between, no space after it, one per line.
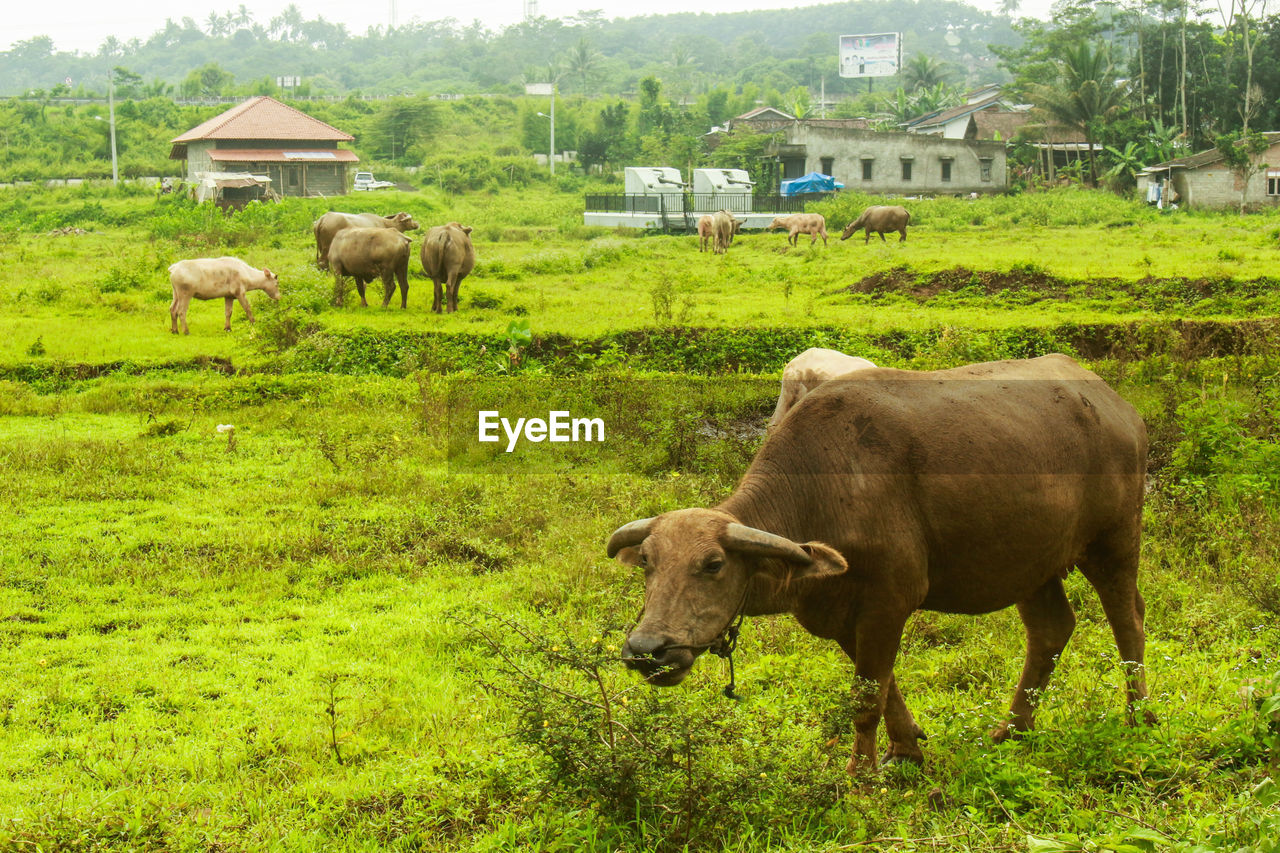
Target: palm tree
(1085,95)
(923,72)
(583,60)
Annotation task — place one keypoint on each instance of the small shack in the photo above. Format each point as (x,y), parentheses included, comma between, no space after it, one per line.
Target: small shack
(262,136)
(1203,180)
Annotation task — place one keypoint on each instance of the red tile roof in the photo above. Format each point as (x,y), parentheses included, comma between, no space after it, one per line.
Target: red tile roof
(283,155)
(263,117)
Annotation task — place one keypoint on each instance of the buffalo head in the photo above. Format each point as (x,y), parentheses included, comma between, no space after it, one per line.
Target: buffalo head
(698,568)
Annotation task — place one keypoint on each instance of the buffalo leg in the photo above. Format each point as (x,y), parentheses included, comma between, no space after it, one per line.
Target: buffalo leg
(183,303)
(339,290)
(1116,580)
(882,239)
(388,288)
(866,237)
(173,316)
(902,729)
(876,647)
(403,276)
(1049,621)
(903,238)
(436,303)
(360,283)
(244,303)
(230,301)
(455,282)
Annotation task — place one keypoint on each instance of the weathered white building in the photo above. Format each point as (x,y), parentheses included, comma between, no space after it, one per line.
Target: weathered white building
(892,163)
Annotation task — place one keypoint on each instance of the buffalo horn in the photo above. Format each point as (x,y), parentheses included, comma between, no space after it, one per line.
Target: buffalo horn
(739,537)
(629,534)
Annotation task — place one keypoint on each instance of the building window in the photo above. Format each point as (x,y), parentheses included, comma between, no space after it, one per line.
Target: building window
(906,170)
(1273,181)
(984,168)
(946,170)
(866,169)
(828,165)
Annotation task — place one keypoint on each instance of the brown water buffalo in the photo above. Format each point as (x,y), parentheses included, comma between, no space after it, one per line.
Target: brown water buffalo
(229,279)
(704,231)
(366,254)
(813,224)
(328,226)
(807,371)
(723,227)
(447,258)
(880,218)
(889,491)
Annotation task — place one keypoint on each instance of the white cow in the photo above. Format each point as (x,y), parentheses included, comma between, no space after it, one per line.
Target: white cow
(807,371)
(216,278)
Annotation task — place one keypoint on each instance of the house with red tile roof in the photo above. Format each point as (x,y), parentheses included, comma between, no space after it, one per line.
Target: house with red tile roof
(263,136)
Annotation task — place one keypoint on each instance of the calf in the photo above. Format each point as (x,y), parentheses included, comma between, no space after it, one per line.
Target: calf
(213,278)
(807,371)
(813,224)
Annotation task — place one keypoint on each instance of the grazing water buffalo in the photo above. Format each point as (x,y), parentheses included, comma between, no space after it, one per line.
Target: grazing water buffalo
(886,492)
(813,224)
(447,258)
(723,227)
(328,226)
(366,254)
(807,371)
(216,278)
(704,231)
(880,218)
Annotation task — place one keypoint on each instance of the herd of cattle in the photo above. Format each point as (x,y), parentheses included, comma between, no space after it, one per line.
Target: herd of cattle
(368,247)
(362,246)
(876,493)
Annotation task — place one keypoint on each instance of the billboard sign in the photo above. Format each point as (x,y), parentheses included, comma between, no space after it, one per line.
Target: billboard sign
(875,55)
(539,88)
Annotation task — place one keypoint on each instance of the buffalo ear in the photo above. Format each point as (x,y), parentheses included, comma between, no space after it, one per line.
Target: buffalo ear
(825,562)
(629,556)
(267,272)
(466,228)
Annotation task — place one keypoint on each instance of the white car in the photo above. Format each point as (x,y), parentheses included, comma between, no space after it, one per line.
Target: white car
(365,181)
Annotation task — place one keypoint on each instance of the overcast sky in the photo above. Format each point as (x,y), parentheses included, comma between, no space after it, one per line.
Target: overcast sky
(82,25)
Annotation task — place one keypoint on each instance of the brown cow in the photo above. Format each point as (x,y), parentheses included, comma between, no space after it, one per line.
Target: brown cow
(813,224)
(327,227)
(807,371)
(880,218)
(229,279)
(447,257)
(366,254)
(888,491)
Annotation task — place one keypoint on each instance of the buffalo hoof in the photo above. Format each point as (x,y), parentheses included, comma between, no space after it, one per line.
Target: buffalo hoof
(1006,731)
(901,755)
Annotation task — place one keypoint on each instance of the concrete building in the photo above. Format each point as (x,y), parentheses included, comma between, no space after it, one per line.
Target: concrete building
(300,154)
(891,162)
(1203,180)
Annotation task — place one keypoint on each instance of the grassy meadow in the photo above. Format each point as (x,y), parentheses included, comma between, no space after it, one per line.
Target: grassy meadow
(317,631)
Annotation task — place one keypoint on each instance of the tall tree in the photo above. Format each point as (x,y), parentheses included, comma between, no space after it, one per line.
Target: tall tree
(582,61)
(923,72)
(1084,96)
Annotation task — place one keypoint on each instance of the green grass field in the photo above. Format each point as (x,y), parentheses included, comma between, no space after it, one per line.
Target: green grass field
(319,632)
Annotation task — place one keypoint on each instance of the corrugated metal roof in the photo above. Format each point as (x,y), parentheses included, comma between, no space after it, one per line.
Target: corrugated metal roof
(1204,158)
(263,117)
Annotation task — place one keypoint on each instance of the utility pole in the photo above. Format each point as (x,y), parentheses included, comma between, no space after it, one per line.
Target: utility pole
(552,159)
(111,111)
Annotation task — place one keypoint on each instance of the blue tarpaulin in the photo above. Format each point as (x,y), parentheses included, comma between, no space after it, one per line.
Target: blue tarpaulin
(814,182)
